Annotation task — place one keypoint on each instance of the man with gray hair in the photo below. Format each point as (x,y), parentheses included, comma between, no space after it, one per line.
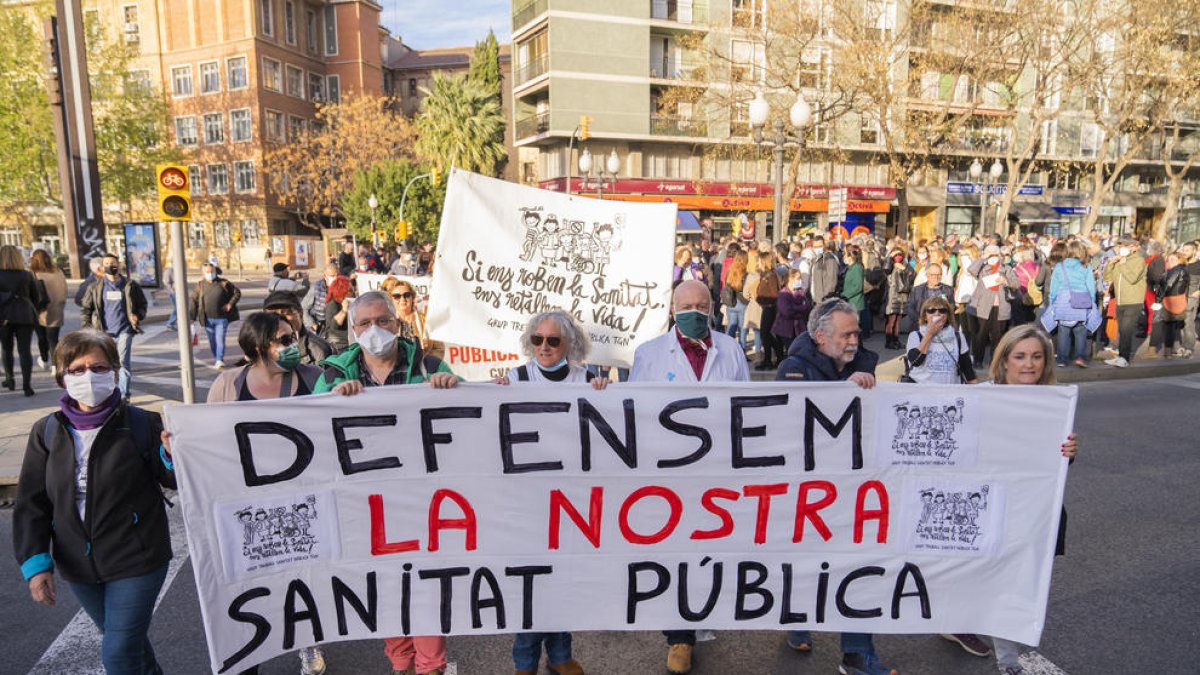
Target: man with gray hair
(380,356)
(96,269)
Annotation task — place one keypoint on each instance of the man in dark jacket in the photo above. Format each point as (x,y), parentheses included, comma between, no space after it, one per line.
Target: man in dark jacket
(95,274)
(313,349)
(214,304)
(830,352)
(116,305)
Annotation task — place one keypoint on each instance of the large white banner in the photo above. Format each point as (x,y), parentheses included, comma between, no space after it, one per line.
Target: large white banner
(507,252)
(486,509)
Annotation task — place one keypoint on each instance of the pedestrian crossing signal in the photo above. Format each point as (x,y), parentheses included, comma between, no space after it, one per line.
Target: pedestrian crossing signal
(174,192)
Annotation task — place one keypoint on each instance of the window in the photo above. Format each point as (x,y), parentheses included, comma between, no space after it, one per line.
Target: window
(185,130)
(218,179)
(316,88)
(1089,139)
(272,75)
(273,122)
(138,82)
(868,131)
(881,15)
(241,127)
(1049,137)
(749,13)
(289,22)
(221,234)
(132,32)
(310,31)
(91,28)
(412,86)
(210,77)
(815,65)
(236,76)
(250,233)
(295,81)
(181,80)
(243,176)
(296,126)
(268,17)
(333,88)
(331,42)
(214,128)
(739,119)
(748,61)
(196,237)
(194,182)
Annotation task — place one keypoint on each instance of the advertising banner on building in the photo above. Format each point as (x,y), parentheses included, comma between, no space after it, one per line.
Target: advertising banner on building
(507,252)
(493,509)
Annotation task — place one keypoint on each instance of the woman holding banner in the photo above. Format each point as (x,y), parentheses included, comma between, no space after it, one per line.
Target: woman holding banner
(271,345)
(90,483)
(404,296)
(1025,355)
(556,346)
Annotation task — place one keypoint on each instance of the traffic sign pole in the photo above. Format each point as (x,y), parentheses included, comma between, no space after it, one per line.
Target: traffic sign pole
(187,369)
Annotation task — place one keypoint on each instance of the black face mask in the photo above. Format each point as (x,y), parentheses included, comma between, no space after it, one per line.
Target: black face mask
(112,269)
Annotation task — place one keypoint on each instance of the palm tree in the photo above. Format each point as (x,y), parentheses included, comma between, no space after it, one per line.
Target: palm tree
(461,125)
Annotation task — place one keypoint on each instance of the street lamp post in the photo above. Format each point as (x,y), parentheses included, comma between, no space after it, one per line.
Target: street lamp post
(800,116)
(374,204)
(993,176)
(611,166)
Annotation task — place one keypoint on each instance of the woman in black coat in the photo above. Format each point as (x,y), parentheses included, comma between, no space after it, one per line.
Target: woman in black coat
(20,302)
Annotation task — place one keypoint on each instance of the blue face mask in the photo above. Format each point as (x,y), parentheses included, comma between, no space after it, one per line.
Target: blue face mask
(558,366)
(692,323)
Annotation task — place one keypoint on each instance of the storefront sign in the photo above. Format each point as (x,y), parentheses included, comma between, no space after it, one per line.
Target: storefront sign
(1073,210)
(647,186)
(1028,190)
(1116,211)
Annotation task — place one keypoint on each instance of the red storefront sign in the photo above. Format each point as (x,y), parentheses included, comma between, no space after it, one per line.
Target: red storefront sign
(647,186)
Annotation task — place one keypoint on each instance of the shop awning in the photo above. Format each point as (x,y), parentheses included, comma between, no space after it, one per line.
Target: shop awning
(685,221)
(1034,212)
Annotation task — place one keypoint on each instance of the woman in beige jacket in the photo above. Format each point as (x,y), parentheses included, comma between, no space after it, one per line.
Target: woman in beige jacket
(50,319)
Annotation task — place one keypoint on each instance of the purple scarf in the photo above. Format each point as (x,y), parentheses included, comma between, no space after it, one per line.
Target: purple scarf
(94,418)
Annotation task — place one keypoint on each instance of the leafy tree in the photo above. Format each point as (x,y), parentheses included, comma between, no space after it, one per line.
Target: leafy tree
(422,209)
(461,125)
(346,140)
(485,65)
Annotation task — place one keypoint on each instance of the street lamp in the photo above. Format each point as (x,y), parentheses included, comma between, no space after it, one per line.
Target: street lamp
(993,176)
(374,204)
(611,166)
(800,116)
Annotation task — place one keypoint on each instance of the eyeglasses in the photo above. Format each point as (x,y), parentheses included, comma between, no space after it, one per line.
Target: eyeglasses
(382,322)
(98,368)
(937,310)
(552,340)
(404,296)
(286,340)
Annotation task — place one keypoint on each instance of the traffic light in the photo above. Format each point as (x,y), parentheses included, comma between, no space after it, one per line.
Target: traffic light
(585,127)
(402,230)
(174,192)
(435,175)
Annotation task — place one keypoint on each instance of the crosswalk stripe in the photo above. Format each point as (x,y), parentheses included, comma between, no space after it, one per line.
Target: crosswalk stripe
(76,650)
(1036,664)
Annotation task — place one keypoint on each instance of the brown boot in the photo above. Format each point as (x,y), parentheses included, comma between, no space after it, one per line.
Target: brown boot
(679,659)
(571,667)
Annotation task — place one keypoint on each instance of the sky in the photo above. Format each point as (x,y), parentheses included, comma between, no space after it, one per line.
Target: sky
(429,24)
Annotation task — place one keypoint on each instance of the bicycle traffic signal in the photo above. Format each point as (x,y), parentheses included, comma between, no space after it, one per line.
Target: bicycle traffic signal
(174,192)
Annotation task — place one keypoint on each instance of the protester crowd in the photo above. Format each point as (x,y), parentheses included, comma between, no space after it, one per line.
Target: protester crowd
(1005,310)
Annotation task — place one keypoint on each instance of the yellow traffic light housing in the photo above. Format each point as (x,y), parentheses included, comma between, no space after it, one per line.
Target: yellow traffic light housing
(174,192)
(435,175)
(585,127)
(402,230)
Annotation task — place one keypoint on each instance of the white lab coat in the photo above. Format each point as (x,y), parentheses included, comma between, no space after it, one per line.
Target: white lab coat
(662,360)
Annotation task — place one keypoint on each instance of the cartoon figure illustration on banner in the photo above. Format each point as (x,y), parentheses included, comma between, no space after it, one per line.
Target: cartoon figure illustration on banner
(927,431)
(952,519)
(550,241)
(576,244)
(277,531)
(533,224)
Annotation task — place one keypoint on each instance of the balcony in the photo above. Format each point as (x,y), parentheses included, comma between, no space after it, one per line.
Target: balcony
(536,66)
(532,125)
(672,69)
(528,12)
(677,125)
(676,12)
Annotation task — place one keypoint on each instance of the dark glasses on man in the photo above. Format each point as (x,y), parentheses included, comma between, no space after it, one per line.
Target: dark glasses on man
(98,368)
(404,296)
(552,340)
(937,310)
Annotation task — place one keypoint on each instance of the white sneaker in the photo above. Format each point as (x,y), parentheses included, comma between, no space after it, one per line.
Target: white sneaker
(219,365)
(312,661)
(42,363)
(1117,362)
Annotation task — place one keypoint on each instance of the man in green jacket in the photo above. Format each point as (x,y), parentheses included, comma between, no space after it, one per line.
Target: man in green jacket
(380,356)
(1127,274)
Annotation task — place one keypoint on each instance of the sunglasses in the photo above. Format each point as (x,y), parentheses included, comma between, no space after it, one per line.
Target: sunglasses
(98,368)
(552,340)
(404,296)
(286,340)
(937,310)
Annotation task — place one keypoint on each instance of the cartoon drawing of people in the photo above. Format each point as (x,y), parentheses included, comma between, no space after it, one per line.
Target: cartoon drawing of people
(246,519)
(532,222)
(604,244)
(549,241)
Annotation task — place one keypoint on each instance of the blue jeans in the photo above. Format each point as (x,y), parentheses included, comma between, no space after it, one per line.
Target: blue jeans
(1072,341)
(852,643)
(735,321)
(122,610)
(171,320)
(864,322)
(216,329)
(125,351)
(527,649)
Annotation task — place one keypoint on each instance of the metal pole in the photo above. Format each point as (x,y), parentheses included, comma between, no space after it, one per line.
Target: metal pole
(187,369)
(374,243)
(780,225)
(404,197)
(571,158)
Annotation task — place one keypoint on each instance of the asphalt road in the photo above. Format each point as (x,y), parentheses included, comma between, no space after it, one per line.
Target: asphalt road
(1125,599)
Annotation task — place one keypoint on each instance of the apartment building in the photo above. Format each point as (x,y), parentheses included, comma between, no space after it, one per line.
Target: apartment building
(622,63)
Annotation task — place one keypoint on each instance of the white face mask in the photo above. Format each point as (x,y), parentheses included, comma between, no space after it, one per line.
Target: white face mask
(377,341)
(1124,251)
(90,388)
(994,260)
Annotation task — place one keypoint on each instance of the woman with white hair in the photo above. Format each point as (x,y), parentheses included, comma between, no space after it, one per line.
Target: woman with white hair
(556,346)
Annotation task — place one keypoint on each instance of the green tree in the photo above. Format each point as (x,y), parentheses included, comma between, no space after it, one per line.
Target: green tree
(461,125)
(485,65)
(422,209)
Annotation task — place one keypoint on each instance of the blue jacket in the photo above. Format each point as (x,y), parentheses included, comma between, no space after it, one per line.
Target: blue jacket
(806,362)
(1067,275)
